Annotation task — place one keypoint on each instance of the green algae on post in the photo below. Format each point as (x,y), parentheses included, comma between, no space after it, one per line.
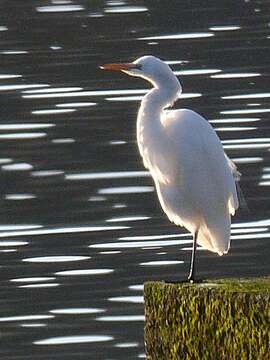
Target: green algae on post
(225,319)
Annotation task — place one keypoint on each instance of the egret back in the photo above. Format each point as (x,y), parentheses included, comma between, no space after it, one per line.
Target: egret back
(199,189)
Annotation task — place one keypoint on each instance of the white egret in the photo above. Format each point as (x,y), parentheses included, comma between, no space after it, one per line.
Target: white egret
(194,179)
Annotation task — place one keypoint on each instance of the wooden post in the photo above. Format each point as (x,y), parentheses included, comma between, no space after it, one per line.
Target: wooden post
(217,319)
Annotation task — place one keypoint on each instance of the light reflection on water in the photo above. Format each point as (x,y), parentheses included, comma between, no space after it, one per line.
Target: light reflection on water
(84,272)
(38,286)
(107,175)
(130,218)
(121,318)
(48,259)
(43,173)
(61,340)
(20,87)
(32,279)
(161,263)
(76,105)
(234,120)
(25,126)
(19,196)
(196,72)
(127,345)
(127,299)
(225,28)
(138,244)
(247,96)
(234,76)
(16,52)
(25,317)
(17,167)
(245,111)
(52,111)
(62,230)
(34,325)
(79,311)
(126,190)
(59,8)
(81,228)
(53,90)
(179,36)
(51,94)
(13,243)
(125,9)
(16,136)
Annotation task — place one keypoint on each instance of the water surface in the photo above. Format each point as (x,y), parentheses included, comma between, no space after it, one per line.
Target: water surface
(81,228)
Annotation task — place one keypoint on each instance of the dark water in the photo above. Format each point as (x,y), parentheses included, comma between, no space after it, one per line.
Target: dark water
(81,228)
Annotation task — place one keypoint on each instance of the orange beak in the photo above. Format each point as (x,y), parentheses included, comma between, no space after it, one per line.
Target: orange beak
(119,66)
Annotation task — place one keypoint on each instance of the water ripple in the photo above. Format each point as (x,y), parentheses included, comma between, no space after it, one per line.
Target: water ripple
(55,259)
(61,340)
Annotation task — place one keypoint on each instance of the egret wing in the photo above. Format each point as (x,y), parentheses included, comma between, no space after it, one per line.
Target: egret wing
(204,185)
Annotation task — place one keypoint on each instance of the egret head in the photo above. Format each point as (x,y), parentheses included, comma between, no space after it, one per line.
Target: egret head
(150,68)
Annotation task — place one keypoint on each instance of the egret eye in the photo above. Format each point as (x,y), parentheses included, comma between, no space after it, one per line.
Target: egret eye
(138,66)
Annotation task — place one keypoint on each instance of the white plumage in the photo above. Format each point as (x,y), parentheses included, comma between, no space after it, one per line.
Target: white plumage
(194,178)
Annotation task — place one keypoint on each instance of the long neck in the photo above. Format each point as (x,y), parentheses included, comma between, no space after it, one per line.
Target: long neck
(150,131)
(157,99)
(166,91)
(148,121)
(151,135)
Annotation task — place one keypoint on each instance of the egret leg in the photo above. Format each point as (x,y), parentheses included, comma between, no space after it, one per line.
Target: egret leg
(192,262)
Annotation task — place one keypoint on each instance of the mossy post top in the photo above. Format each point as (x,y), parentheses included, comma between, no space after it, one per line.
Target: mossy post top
(251,285)
(214,319)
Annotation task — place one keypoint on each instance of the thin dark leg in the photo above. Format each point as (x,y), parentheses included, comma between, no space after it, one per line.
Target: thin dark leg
(192,262)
